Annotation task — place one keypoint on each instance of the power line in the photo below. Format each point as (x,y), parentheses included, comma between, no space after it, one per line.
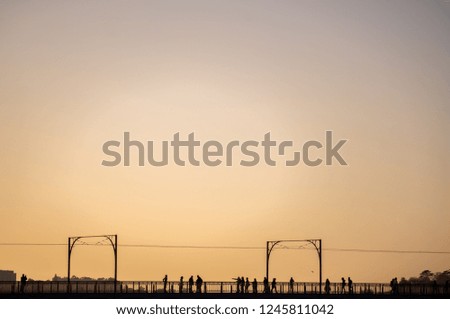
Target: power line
(387,251)
(194,247)
(31,244)
(238,248)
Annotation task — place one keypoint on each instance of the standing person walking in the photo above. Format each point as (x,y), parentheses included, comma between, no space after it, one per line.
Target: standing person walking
(274,285)
(343,286)
(180,285)
(23,282)
(165,283)
(191,284)
(291,285)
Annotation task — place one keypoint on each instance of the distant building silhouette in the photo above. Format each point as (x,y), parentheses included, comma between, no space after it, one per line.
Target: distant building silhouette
(8,275)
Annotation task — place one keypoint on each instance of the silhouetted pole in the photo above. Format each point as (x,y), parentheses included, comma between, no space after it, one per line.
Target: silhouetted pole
(320,265)
(269,248)
(115,264)
(71,243)
(68,265)
(267,260)
(317,243)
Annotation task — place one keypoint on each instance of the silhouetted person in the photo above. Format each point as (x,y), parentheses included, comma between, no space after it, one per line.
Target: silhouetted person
(255,286)
(247,285)
(394,286)
(180,285)
(266,285)
(191,284)
(238,285)
(165,283)
(242,284)
(23,282)
(274,285)
(327,286)
(199,283)
(291,285)
(350,285)
(343,285)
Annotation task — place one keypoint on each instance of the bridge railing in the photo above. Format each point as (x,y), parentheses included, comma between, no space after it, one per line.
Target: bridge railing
(216,287)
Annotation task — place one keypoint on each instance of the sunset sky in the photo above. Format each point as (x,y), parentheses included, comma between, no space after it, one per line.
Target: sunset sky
(75,74)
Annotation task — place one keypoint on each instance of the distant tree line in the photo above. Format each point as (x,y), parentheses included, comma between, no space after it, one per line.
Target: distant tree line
(428,277)
(75,278)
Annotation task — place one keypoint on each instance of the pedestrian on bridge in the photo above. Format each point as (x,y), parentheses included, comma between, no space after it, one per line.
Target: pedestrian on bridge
(23,282)
(327,286)
(274,285)
(242,284)
(199,283)
(165,283)
(266,285)
(343,286)
(350,285)
(291,285)
(247,285)
(191,284)
(238,284)
(255,286)
(180,285)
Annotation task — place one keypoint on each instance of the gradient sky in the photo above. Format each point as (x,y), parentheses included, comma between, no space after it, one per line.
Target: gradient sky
(75,74)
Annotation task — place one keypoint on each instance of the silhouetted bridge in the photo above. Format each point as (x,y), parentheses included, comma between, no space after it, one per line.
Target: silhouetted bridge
(149,288)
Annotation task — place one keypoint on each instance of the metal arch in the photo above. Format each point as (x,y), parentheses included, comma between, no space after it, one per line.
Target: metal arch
(71,244)
(317,243)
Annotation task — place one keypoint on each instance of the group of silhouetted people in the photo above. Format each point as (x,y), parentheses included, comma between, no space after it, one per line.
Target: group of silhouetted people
(243,285)
(344,284)
(198,284)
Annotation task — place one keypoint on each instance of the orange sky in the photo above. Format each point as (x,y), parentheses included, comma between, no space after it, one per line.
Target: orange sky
(75,75)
